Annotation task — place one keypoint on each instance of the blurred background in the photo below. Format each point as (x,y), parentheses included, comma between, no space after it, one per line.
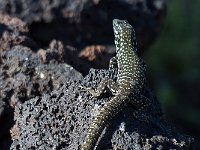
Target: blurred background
(174,65)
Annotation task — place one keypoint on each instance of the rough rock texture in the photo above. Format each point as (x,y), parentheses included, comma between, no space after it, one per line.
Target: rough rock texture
(60,120)
(46,10)
(95,55)
(13,31)
(23,73)
(24,76)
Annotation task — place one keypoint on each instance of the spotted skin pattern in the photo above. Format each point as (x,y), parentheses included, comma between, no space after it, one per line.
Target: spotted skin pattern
(130,79)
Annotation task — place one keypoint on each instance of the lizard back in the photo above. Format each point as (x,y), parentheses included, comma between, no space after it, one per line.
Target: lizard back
(131,68)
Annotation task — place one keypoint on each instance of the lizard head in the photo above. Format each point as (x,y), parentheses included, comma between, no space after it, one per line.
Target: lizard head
(124,33)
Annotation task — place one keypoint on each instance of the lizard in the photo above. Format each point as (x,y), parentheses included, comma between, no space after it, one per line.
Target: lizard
(130,79)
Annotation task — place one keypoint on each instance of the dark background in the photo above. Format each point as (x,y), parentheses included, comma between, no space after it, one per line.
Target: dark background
(174,65)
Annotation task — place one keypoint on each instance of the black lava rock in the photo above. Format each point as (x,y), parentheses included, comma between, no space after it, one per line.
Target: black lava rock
(60,120)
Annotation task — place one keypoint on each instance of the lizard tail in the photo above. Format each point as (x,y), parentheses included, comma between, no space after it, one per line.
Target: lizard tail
(105,114)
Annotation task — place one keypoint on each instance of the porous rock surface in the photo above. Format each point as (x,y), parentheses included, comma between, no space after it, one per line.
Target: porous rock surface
(13,31)
(24,73)
(60,120)
(24,76)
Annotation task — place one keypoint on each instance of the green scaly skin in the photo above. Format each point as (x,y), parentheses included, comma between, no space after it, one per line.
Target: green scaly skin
(130,79)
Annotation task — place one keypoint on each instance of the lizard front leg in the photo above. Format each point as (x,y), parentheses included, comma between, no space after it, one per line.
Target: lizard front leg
(113,63)
(110,84)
